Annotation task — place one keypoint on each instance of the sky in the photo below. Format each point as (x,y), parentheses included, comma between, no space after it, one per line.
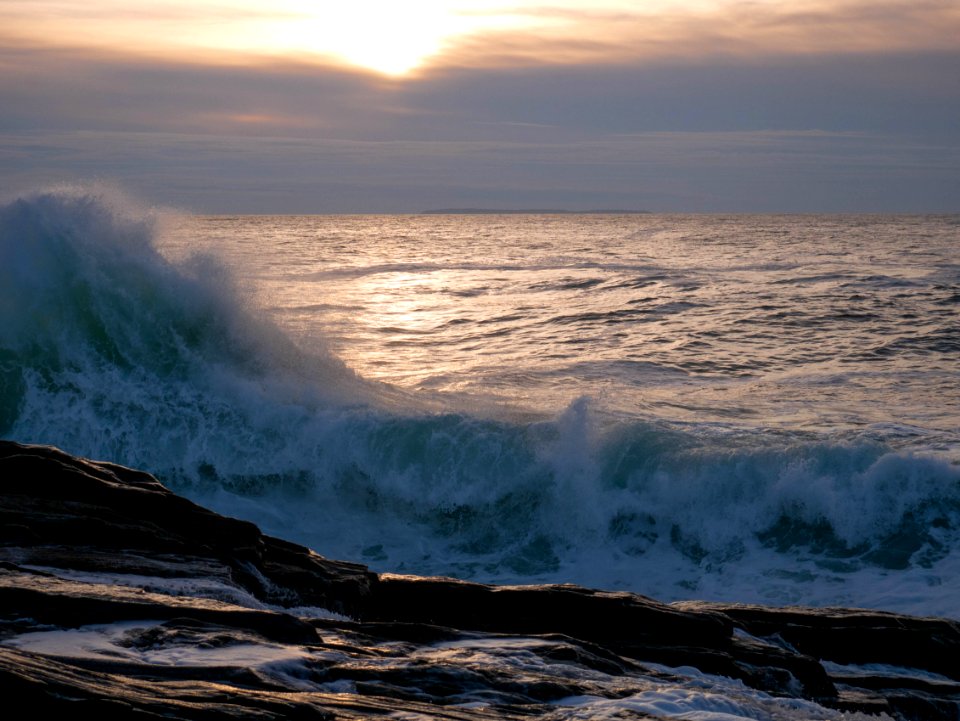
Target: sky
(373,106)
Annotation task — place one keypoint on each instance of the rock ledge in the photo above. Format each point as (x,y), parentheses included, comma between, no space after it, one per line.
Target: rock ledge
(88,546)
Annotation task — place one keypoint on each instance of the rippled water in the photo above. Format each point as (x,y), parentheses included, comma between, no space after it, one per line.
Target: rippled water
(798,323)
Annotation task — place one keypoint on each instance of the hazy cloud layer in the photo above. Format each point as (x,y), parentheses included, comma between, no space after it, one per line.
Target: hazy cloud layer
(916,93)
(711,122)
(708,171)
(472,33)
(691,32)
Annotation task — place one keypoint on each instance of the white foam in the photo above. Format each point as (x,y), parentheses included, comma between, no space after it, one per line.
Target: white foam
(122,353)
(108,642)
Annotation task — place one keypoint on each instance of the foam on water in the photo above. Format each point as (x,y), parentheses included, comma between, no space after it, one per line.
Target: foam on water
(652,689)
(111,642)
(112,350)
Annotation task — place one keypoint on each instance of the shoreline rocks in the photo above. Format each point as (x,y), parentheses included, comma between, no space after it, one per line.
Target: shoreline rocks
(90,545)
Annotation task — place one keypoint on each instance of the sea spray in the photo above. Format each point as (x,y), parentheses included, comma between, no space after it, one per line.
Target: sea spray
(110,349)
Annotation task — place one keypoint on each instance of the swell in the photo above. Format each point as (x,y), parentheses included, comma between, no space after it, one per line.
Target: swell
(110,350)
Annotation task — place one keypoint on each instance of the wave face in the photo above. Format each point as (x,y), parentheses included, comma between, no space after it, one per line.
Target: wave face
(110,349)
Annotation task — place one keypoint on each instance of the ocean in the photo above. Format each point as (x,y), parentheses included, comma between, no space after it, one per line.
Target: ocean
(747,408)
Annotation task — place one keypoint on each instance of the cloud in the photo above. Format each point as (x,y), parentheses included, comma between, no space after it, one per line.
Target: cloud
(735,171)
(750,131)
(914,94)
(82,89)
(465,33)
(690,32)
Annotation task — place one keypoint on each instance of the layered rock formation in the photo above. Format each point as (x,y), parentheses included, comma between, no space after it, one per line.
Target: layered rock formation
(120,597)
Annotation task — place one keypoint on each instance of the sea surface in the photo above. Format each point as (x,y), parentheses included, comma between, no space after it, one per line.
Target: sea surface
(742,408)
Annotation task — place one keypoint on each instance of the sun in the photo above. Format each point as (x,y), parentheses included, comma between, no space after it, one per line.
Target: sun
(389,37)
(385,36)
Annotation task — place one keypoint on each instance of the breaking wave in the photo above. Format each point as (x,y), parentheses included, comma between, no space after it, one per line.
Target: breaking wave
(111,350)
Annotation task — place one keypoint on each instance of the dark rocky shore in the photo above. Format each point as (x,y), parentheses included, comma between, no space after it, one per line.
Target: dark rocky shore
(68,526)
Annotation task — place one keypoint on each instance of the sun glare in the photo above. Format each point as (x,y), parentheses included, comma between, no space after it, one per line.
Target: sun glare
(381,35)
(388,37)
(396,39)
(385,36)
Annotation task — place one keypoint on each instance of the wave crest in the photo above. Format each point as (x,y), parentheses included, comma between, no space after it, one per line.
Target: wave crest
(109,349)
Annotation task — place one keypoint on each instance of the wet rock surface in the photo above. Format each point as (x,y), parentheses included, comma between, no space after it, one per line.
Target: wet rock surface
(119,597)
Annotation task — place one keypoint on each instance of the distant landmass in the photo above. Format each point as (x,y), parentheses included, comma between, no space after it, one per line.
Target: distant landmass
(530,211)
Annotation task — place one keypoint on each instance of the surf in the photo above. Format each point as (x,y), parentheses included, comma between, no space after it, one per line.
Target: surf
(110,349)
